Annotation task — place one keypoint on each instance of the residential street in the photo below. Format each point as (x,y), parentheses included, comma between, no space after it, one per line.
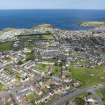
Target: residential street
(77,92)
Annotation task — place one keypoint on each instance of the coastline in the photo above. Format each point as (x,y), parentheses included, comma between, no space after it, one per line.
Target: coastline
(63,19)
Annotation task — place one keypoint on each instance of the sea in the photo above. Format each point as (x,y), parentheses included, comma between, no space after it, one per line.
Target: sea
(64,19)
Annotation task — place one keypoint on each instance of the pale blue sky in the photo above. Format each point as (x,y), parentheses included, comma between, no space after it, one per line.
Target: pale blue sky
(52,4)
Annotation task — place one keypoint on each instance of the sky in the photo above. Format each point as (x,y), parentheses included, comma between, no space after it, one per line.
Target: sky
(52,4)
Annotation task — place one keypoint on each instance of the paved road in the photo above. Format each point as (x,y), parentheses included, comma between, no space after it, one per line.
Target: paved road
(63,99)
(77,92)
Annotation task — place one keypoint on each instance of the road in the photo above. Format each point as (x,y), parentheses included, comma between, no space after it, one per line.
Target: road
(77,92)
(63,99)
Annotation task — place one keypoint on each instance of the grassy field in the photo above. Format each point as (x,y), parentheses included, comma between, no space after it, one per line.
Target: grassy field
(5,46)
(43,37)
(101,93)
(56,70)
(31,98)
(2,87)
(42,67)
(38,37)
(92,23)
(89,76)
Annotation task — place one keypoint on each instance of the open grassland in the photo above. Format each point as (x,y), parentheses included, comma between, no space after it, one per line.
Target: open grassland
(2,87)
(101,93)
(89,76)
(93,23)
(5,46)
(42,67)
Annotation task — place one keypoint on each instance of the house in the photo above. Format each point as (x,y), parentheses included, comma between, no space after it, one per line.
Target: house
(90,100)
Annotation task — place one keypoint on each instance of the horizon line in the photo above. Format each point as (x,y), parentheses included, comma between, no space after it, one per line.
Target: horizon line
(48,9)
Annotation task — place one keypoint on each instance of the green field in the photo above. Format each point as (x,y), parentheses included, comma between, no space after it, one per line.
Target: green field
(92,23)
(37,37)
(56,70)
(42,67)
(89,76)
(101,93)
(2,87)
(31,98)
(5,46)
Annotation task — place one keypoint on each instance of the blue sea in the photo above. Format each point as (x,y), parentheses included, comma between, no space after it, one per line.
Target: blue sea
(64,19)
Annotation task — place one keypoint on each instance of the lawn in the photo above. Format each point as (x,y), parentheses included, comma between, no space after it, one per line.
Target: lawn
(89,76)
(5,46)
(38,37)
(9,71)
(92,23)
(46,67)
(2,87)
(56,70)
(101,93)
(42,67)
(44,36)
(31,98)
(30,56)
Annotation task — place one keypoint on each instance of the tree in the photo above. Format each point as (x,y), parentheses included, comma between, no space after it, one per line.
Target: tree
(80,101)
(20,62)
(30,56)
